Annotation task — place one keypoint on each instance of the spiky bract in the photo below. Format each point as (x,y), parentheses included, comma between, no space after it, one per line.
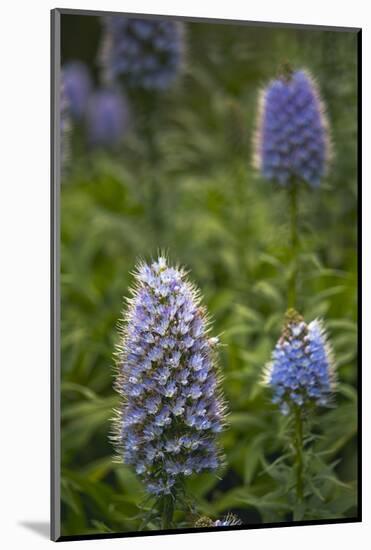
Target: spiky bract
(227,521)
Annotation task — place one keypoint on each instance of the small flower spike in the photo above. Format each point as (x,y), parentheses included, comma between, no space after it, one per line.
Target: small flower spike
(302,370)
(228,521)
(143,53)
(172,407)
(292,138)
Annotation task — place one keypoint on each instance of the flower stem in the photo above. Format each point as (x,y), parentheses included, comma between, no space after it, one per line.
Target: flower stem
(294,242)
(298,446)
(156,191)
(155,198)
(292,303)
(167,506)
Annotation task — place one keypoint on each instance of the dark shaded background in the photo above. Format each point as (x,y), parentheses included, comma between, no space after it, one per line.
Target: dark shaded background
(196,196)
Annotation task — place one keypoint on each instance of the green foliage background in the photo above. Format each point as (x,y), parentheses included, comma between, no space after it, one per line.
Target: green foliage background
(194,194)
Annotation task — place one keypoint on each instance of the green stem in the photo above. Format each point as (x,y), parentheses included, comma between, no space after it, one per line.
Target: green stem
(292,303)
(167,511)
(294,242)
(149,128)
(298,445)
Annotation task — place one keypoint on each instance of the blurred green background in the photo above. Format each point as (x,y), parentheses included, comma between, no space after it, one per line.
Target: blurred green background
(198,198)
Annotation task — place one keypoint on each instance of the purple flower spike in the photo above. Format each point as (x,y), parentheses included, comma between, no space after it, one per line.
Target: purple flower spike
(302,370)
(292,139)
(144,53)
(107,118)
(78,87)
(167,425)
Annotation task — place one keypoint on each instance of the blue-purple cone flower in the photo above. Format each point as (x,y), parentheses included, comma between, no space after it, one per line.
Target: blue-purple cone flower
(107,118)
(172,409)
(302,369)
(78,87)
(143,53)
(292,141)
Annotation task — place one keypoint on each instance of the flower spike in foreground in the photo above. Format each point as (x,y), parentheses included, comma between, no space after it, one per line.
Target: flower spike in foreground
(144,53)
(291,140)
(172,408)
(302,370)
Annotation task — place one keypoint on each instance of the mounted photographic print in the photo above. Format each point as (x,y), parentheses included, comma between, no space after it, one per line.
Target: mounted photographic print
(205,274)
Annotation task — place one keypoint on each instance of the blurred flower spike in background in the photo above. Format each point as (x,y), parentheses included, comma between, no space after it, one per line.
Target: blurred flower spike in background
(143,53)
(292,139)
(78,87)
(65,125)
(302,370)
(172,408)
(107,118)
